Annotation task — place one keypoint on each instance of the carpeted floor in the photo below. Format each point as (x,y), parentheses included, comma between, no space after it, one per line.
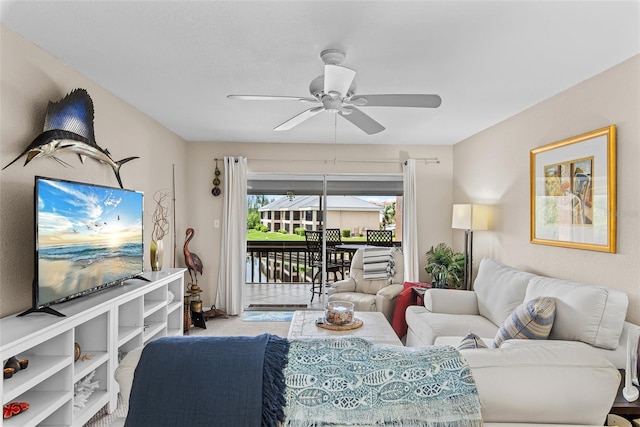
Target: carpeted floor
(231,326)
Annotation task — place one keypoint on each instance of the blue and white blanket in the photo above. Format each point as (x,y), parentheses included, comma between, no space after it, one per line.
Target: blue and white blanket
(377,263)
(350,381)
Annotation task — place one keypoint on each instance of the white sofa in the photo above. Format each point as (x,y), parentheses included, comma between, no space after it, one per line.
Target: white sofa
(562,383)
(517,385)
(589,314)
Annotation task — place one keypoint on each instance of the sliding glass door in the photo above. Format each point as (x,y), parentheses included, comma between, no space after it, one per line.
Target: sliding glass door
(282,207)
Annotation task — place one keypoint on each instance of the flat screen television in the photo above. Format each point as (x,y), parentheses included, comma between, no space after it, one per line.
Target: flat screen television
(87,238)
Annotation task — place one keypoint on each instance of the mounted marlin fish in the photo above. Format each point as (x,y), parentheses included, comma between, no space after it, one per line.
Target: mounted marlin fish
(68,127)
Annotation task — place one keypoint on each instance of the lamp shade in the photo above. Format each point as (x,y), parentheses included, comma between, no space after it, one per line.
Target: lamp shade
(470,217)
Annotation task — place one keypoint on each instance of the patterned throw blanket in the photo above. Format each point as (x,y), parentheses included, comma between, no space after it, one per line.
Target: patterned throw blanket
(377,263)
(350,381)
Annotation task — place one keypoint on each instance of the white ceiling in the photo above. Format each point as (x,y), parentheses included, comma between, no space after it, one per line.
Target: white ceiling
(177,60)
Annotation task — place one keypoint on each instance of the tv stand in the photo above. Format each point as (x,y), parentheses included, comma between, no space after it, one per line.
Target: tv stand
(106,325)
(48,310)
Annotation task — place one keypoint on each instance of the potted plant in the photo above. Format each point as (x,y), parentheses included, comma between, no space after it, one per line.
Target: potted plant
(445,266)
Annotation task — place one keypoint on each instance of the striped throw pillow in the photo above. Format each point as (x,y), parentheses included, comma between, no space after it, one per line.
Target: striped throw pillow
(532,319)
(471,341)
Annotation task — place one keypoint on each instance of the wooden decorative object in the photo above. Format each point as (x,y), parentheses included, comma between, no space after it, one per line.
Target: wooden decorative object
(198,319)
(76,352)
(186,316)
(357,323)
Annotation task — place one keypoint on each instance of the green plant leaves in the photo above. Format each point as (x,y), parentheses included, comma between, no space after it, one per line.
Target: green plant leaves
(445,266)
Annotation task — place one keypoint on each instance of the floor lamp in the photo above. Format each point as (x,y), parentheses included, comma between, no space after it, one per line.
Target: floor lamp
(469,217)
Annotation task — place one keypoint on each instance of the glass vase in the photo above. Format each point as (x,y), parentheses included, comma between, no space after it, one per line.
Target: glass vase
(157,254)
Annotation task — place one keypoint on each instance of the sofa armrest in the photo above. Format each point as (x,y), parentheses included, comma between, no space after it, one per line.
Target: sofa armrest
(124,372)
(346,285)
(386,300)
(448,301)
(390,292)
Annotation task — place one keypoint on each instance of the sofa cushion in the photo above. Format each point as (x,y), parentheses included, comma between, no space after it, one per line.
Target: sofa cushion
(429,326)
(551,382)
(471,340)
(500,289)
(532,319)
(361,302)
(455,341)
(591,314)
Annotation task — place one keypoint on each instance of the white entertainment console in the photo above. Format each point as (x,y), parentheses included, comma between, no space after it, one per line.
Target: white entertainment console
(104,324)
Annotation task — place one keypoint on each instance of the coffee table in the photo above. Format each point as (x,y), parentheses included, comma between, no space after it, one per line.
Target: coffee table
(375,327)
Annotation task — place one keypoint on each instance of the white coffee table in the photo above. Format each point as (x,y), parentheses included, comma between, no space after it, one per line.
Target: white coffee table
(375,327)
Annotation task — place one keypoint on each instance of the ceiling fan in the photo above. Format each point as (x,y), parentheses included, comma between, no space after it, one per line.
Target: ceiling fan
(335,92)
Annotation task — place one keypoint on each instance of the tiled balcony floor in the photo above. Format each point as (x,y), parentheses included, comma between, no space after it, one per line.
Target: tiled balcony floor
(281,294)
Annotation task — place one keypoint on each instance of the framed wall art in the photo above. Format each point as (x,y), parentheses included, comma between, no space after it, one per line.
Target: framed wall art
(573,192)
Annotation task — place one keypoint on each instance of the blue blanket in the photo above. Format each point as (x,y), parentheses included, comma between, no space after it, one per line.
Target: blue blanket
(350,381)
(209,381)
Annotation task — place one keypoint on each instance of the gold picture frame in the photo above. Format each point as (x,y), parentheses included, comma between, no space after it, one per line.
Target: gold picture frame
(573,192)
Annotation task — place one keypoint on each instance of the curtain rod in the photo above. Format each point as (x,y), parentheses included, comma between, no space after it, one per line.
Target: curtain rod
(426,160)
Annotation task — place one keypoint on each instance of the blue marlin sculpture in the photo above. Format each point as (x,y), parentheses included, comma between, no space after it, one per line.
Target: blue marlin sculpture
(68,127)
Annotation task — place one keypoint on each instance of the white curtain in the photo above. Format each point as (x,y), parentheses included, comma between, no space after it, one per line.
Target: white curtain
(410,222)
(233,247)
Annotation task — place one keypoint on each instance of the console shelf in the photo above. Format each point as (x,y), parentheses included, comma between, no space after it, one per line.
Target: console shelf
(106,325)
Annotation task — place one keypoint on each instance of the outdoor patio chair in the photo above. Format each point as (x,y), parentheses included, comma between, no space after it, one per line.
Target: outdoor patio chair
(380,237)
(314,253)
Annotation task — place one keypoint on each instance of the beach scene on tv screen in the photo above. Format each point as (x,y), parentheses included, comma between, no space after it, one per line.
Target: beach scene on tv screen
(88,236)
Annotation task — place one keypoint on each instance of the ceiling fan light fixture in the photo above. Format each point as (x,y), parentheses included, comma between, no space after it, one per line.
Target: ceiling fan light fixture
(338,79)
(333,56)
(331,103)
(316,88)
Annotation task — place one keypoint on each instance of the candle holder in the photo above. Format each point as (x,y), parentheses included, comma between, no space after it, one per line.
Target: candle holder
(195,301)
(339,313)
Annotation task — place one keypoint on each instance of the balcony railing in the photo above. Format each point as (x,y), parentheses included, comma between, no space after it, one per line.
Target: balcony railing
(279,262)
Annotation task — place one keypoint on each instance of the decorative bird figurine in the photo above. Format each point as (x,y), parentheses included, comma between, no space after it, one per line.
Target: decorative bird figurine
(192,260)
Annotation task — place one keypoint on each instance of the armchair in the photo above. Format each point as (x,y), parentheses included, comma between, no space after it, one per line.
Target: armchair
(370,295)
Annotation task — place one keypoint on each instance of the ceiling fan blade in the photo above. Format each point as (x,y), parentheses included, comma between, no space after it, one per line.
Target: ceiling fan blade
(397,100)
(271,98)
(363,121)
(296,120)
(337,79)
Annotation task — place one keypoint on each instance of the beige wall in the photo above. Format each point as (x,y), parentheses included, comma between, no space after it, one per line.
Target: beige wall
(493,167)
(434,186)
(353,220)
(29,78)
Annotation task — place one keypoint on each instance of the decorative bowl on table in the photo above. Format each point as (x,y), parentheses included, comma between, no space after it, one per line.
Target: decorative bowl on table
(339,313)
